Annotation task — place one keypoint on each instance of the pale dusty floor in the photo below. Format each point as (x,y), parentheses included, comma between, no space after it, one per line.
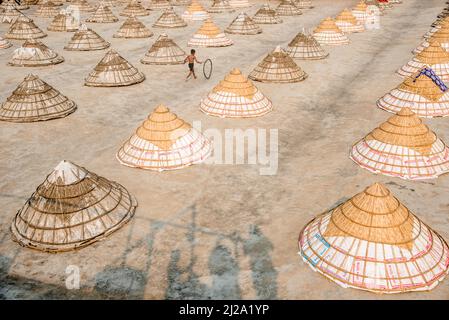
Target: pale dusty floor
(214,231)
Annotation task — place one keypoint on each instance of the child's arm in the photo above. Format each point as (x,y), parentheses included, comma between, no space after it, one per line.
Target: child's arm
(186,59)
(197,61)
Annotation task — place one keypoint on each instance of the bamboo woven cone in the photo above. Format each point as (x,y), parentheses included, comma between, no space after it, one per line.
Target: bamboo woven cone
(83,5)
(402,147)
(373,242)
(287,8)
(63,22)
(442,36)
(102,15)
(86,39)
(348,23)
(34,53)
(434,56)
(240,3)
(360,11)
(72,209)
(114,71)
(209,35)
(24,28)
(305,47)
(30,2)
(20,7)
(47,10)
(134,8)
(195,12)
(170,19)
(304,4)
(236,97)
(244,25)
(109,3)
(266,15)
(180,2)
(4,43)
(437,25)
(133,28)
(328,33)
(442,29)
(164,142)
(163,52)
(424,93)
(277,67)
(35,100)
(9,15)
(159,4)
(220,6)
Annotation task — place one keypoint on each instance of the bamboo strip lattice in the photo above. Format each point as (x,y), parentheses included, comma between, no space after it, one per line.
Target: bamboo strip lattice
(64,22)
(86,39)
(134,8)
(305,47)
(220,6)
(288,8)
(34,53)
(163,52)
(5,44)
(24,28)
(347,22)
(169,19)
(240,4)
(159,4)
(360,11)
(209,35)
(47,10)
(244,25)
(328,33)
(102,15)
(266,15)
(441,36)
(9,15)
(304,4)
(82,5)
(195,12)
(133,28)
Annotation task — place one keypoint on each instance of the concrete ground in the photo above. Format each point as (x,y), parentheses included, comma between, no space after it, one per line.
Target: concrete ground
(214,231)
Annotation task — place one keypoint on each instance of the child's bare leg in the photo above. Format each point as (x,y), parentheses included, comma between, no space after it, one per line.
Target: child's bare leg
(194,75)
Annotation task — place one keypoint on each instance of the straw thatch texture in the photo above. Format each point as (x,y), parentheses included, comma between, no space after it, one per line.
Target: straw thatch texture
(304,4)
(305,47)
(82,5)
(24,28)
(164,142)
(159,4)
(328,33)
(133,28)
(86,39)
(240,3)
(34,53)
(220,6)
(64,22)
(35,100)
(170,19)
(421,94)
(278,67)
(47,10)
(434,56)
(243,24)
(9,15)
(236,97)
(288,8)
(4,43)
(373,242)
(114,71)
(209,35)
(102,15)
(266,15)
(195,12)
(403,147)
(360,11)
(72,209)
(134,8)
(347,22)
(164,51)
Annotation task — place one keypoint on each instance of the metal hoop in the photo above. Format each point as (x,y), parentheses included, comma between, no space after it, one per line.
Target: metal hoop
(207,75)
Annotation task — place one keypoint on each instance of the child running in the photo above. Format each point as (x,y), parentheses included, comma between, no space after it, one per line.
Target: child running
(191,59)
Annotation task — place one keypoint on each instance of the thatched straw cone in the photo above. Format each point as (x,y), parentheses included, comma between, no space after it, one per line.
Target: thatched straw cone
(63,22)
(240,3)
(277,67)
(305,47)
(72,209)
(347,22)
(163,52)
(24,28)
(164,142)
(244,25)
(195,12)
(86,39)
(133,28)
(134,8)
(373,242)
(328,33)
(287,8)
(209,35)
(34,53)
(47,10)
(102,15)
(35,100)
(220,6)
(114,71)
(236,97)
(266,15)
(169,19)
(424,93)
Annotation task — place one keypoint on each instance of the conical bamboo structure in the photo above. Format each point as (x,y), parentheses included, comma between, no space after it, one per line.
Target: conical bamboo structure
(72,209)
(209,35)
(114,71)
(163,52)
(266,15)
(9,15)
(304,4)
(30,2)
(4,43)
(244,25)
(373,242)
(102,15)
(236,97)
(134,8)
(24,28)
(195,12)
(240,3)
(83,5)
(86,39)
(305,47)
(64,22)
(35,100)
(164,142)
(169,19)
(109,3)
(403,147)
(348,23)
(328,33)
(434,56)
(424,93)
(287,8)
(47,10)
(159,4)
(20,7)
(34,53)
(442,29)
(180,2)
(441,36)
(277,67)
(133,28)
(360,11)
(220,6)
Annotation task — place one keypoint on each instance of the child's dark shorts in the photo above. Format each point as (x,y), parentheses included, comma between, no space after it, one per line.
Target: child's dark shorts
(191,66)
